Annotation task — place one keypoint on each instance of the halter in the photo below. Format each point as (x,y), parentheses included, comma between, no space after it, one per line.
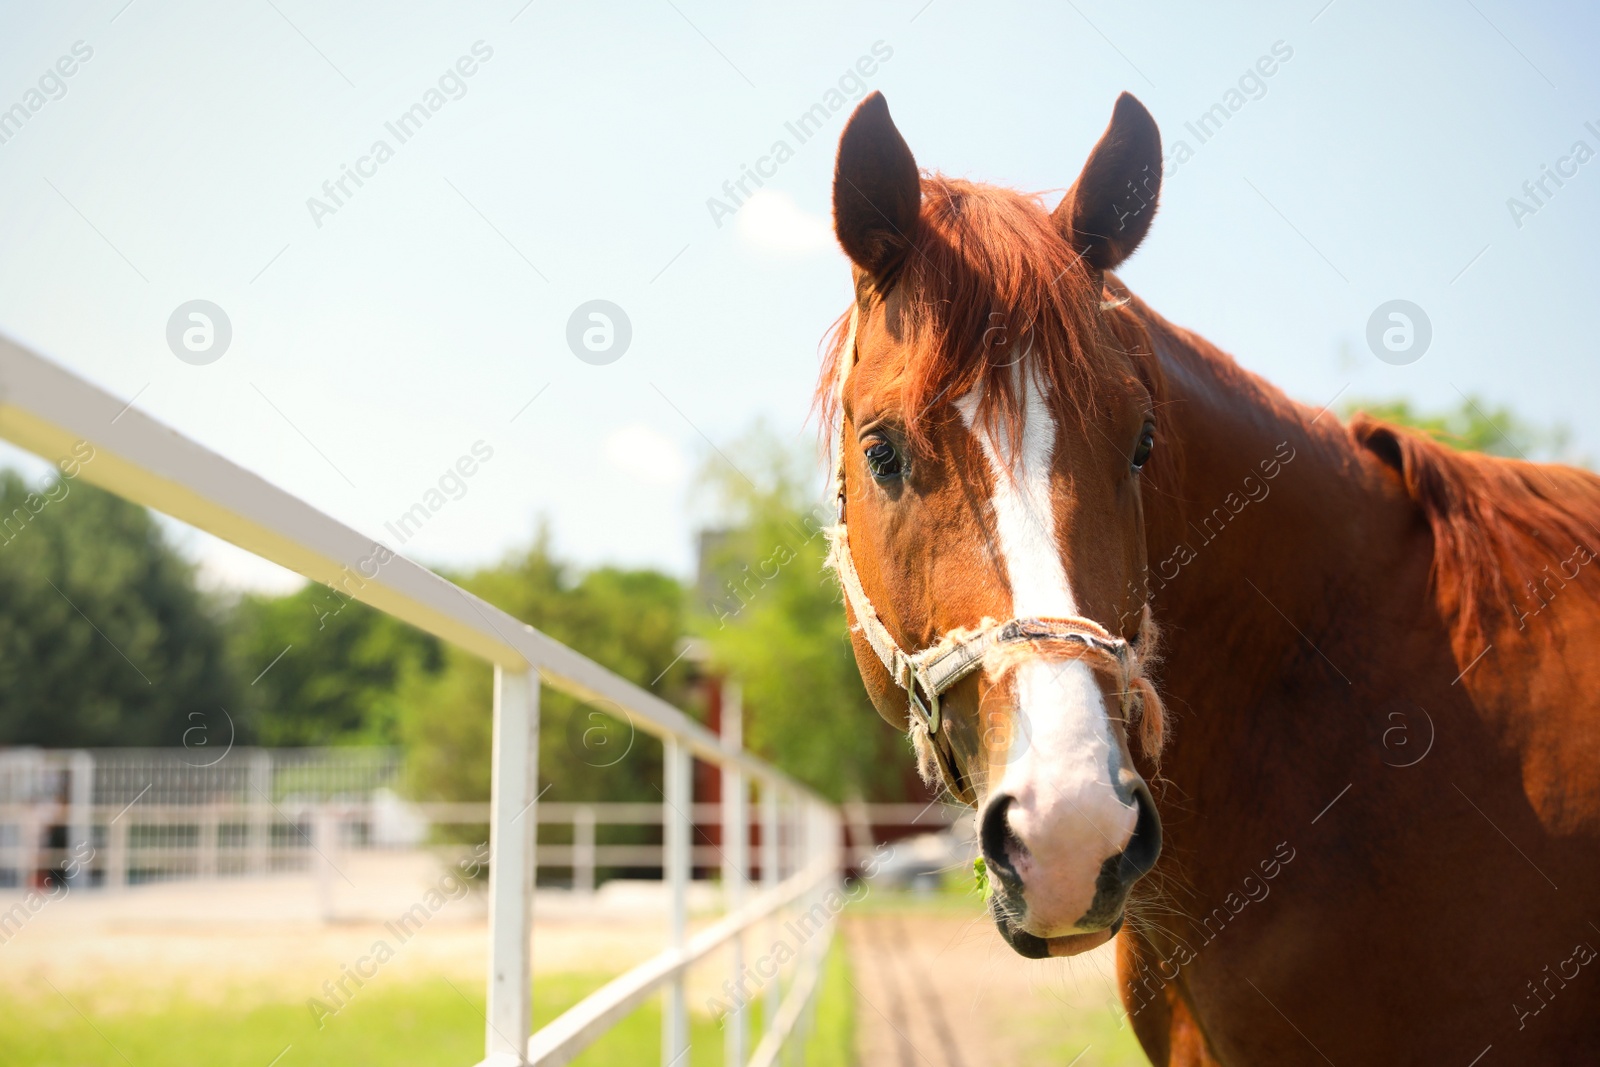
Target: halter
(928,674)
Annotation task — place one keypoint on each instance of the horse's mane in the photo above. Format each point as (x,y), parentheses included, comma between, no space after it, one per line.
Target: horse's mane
(1499,525)
(990,284)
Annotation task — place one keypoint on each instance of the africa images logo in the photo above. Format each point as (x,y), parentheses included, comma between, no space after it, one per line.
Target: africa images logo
(1399,332)
(199,332)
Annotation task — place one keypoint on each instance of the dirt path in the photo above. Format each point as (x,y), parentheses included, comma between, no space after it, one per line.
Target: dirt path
(944,991)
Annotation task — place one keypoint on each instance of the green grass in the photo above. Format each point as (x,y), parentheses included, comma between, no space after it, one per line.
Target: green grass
(634,1040)
(1102,1038)
(833,1043)
(419,1023)
(426,1023)
(958,894)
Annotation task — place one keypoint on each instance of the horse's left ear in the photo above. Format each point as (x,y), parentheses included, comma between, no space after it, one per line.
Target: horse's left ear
(1108,210)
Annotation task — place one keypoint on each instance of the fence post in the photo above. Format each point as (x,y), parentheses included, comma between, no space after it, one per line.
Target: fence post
(117,855)
(513,791)
(862,839)
(769,881)
(210,830)
(325,843)
(80,816)
(676,830)
(260,812)
(804,823)
(28,840)
(735,862)
(583,850)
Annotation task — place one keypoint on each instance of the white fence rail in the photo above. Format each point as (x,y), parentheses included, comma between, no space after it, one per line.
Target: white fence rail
(48,411)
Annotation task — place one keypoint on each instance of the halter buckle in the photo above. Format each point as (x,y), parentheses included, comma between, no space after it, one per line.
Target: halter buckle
(927,711)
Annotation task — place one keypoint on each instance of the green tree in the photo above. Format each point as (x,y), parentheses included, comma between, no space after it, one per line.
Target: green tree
(326,669)
(1475,425)
(104,639)
(446,730)
(630,621)
(774,621)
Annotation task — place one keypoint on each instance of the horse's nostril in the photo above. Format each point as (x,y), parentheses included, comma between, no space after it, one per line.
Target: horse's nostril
(1145,844)
(1000,845)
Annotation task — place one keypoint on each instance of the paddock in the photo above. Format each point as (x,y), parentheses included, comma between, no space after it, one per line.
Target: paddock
(50,411)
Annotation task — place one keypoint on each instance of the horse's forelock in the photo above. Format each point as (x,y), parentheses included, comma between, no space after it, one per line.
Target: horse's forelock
(990,285)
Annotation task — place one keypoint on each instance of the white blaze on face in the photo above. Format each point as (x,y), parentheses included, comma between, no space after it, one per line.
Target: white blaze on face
(1063,760)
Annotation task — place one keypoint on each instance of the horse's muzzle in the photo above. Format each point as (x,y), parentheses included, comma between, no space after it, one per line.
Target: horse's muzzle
(1116,877)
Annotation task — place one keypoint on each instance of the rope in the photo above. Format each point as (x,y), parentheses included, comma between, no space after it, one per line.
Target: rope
(1141,705)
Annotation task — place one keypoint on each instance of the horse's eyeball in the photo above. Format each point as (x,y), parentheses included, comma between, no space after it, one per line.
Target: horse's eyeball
(884,461)
(1141,451)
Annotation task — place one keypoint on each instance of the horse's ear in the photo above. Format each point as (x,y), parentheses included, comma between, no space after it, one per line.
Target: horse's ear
(1108,210)
(876,192)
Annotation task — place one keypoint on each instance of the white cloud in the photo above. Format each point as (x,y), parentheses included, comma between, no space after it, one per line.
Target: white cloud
(772,220)
(647,455)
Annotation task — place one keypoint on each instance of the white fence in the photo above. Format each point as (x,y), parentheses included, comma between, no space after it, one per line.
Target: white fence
(169,813)
(158,815)
(49,411)
(172,842)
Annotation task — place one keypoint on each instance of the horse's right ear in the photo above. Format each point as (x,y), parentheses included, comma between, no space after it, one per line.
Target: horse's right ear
(876,192)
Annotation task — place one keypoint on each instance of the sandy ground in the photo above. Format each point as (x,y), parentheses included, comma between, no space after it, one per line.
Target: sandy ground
(267,938)
(946,991)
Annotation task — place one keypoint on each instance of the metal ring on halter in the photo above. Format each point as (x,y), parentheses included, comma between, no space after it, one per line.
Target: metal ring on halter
(954,781)
(929,710)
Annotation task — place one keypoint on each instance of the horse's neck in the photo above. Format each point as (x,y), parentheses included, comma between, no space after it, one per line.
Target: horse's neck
(1268,546)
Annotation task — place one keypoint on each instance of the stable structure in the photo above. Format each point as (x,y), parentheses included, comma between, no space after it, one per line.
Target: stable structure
(56,415)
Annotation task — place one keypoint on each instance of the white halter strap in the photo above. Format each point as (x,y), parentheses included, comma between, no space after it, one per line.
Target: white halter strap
(928,674)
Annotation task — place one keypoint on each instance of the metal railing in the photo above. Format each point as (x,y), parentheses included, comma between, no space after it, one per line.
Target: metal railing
(50,411)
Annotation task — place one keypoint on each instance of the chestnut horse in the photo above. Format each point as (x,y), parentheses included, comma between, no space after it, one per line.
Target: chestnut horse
(1377,771)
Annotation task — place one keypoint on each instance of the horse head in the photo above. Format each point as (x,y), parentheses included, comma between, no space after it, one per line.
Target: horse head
(996,410)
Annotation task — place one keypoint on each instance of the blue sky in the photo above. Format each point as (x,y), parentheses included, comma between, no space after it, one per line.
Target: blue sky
(375,345)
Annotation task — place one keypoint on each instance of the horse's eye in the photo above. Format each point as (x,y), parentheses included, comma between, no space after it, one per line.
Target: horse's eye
(1141,451)
(884,461)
